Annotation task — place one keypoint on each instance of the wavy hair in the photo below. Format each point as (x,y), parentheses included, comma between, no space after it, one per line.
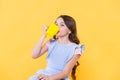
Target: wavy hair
(71,24)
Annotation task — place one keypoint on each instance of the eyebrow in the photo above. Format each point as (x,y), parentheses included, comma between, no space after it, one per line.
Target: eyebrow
(60,23)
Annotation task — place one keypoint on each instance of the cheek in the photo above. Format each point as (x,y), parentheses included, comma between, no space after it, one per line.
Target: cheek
(64,31)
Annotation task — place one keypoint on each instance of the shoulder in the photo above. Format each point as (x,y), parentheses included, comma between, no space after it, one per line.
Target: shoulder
(50,41)
(79,48)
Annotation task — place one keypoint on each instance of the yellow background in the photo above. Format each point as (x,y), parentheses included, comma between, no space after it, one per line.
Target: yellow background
(98,23)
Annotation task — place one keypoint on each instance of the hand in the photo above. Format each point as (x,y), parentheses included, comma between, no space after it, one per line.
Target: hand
(44,29)
(43,77)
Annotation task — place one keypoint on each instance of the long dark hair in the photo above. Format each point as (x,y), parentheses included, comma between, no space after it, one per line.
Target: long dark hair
(71,24)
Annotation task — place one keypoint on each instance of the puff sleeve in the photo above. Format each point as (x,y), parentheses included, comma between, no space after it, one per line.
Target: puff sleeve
(79,49)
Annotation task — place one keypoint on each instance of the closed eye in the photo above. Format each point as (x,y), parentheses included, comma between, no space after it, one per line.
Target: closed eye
(62,25)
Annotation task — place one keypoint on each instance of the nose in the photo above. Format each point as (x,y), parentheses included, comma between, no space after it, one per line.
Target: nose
(58,26)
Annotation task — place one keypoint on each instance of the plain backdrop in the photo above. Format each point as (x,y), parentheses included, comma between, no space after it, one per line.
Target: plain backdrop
(98,26)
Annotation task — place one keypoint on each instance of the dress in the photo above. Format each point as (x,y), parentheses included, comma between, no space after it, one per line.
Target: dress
(57,57)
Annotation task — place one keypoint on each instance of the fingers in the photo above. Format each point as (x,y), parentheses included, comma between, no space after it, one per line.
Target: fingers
(44,29)
(42,77)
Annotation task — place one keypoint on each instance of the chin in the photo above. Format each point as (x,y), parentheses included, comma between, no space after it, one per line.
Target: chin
(60,35)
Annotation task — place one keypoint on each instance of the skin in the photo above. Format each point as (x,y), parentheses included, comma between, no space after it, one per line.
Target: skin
(40,49)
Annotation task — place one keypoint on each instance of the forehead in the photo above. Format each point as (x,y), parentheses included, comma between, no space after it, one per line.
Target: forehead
(60,20)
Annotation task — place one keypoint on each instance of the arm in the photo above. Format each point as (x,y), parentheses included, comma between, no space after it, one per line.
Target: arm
(40,49)
(67,68)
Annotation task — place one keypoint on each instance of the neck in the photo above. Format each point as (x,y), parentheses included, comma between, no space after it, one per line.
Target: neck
(64,40)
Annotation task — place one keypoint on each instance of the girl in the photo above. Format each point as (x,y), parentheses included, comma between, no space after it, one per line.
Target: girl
(63,51)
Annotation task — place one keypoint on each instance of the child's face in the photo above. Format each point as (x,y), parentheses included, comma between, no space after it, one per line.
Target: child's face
(63,30)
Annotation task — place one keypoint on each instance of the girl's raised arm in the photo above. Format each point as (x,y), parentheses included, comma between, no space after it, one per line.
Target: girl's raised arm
(40,49)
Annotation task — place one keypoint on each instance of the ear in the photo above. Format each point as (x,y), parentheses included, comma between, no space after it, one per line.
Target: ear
(69,32)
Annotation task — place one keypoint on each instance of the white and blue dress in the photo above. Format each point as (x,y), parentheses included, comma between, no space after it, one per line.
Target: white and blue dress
(57,57)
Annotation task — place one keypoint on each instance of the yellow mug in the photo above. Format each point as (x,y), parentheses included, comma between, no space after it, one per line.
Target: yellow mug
(52,30)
